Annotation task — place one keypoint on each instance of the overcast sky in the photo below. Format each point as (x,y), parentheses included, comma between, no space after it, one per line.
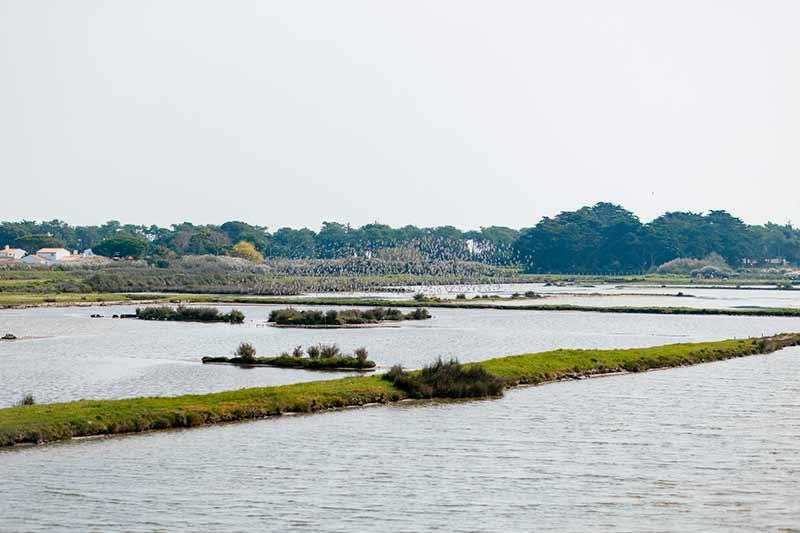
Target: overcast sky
(410,112)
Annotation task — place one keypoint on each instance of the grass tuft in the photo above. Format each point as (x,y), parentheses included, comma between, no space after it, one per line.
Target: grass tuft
(446,379)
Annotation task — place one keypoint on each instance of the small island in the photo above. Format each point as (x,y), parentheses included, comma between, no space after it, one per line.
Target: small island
(320,357)
(9,337)
(187,314)
(291,317)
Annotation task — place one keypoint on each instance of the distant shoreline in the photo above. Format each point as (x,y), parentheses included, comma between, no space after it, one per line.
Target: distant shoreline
(446,304)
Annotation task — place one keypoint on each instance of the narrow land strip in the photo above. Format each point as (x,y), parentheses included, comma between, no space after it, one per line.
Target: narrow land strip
(61,421)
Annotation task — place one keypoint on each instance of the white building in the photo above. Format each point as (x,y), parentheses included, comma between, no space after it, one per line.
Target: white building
(12,253)
(53,254)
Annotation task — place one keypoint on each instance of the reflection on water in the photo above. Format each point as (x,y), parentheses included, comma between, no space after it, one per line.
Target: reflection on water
(80,357)
(714,447)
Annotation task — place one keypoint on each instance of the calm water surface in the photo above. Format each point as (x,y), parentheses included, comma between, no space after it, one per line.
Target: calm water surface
(714,447)
(66,355)
(607,295)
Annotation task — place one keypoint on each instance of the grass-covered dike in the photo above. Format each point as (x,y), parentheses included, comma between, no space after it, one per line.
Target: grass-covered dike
(51,422)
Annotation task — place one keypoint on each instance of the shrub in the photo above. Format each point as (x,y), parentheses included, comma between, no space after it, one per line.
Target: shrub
(461,296)
(687,266)
(313,352)
(297,352)
(395,373)
(189,314)
(235,316)
(393,314)
(420,297)
(446,379)
(246,250)
(709,271)
(291,316)
(332,316)
(329,350)
(418,314)
(246,351)
(361,354)
(28,399)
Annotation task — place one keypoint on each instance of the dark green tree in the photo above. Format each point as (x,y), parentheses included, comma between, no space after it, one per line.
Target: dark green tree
(31,243)
(122,246)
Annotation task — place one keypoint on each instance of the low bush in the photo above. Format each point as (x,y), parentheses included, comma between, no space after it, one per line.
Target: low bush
(361,354)
(189,314)
(418,314)
(446,379)
(245,351)
(688,266)
(28,399)
(709,272)
(329,351)
(347,317)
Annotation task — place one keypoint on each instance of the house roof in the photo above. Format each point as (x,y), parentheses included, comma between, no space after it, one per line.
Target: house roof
(9,250)
(51,250)
(35,257)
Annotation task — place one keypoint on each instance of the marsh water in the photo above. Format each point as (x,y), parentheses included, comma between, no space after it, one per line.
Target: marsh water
(64,354)
(713,447)
(605,294)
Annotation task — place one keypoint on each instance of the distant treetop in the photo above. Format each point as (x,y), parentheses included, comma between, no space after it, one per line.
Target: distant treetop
(604,238)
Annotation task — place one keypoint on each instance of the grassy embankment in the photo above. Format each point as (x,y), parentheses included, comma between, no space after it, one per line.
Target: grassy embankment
(34,299)
(49,422)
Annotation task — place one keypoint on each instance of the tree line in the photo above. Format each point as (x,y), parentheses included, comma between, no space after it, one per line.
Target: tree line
(600,238)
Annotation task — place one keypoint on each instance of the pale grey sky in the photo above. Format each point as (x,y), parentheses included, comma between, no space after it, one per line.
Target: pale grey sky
(426,112)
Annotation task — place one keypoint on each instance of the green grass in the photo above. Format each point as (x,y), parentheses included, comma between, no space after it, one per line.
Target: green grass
(19,299)
(560,364)
(50,422)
